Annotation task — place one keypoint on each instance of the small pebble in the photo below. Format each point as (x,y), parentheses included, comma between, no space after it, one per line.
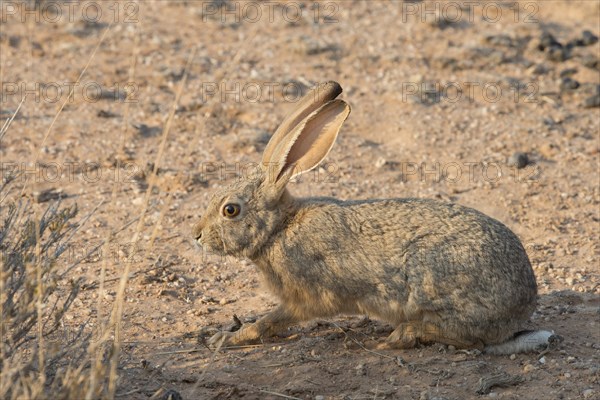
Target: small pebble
(592,102)
(380,162)
(171,395)
(557,53)
(567,375)
(513,357)
(590,61)
(568,84)
(528,368)
(319,397)
(569,281)
(360,369)
(589,38)
(588,393)
(547,41)
(227,368)
(568,72)
(542,360)
(518,159)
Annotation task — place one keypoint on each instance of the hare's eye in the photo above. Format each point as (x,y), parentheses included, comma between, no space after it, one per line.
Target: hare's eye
(231,210)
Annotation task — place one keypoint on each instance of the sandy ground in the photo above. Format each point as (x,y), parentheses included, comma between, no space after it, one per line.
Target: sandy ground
(443,94)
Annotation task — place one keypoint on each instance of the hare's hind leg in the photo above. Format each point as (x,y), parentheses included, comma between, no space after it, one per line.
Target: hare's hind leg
(268,325)
(432,333)
(408,334)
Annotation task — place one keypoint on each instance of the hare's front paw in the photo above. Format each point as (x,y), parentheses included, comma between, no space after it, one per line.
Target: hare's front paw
(221,339)
(246,335)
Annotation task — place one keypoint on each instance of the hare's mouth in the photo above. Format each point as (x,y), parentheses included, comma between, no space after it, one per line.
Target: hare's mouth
(212,243)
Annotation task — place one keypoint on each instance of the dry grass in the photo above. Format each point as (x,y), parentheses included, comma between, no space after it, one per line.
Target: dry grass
(39,356)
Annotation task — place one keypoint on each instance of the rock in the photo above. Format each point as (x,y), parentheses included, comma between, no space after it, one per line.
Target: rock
(48,194)
(529,368)
(14,41)
(106,114)
(547,41)
(568,84)
(147,131)
(557,53)
(588,38)
(592,102)
(360,369)
(319,397)
(518,159)
(500,40)
(590,61)
(513,356)
(568,72)
(171,395)
(588,393)
(570,281)
(539,69)
(380,162)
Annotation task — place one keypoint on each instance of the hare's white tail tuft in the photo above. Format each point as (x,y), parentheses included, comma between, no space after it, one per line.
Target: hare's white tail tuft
(525,341)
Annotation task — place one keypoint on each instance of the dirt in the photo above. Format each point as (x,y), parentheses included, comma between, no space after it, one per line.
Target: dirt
(441,103)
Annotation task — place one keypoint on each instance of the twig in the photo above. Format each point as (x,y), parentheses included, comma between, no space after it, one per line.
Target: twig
(501,379)
(283,396)
(128,393)
(362,346)
(187,351)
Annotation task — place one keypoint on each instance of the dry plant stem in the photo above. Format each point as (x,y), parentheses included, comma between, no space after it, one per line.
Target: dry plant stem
(84,220)
(39,302)
(114,361)
(361,345)
(2,296)
(117,312)
(10,120)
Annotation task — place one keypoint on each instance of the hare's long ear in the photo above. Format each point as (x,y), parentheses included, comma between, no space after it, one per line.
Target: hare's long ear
(307,144)
(314,99)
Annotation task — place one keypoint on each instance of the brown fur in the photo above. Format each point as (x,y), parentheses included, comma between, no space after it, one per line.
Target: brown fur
(436,271)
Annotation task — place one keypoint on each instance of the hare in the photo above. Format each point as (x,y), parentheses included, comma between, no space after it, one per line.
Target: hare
(438,272)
